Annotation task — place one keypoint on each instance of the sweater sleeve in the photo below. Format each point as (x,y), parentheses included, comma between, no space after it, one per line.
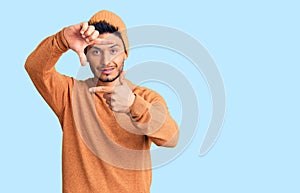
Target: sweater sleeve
(150,114)
(40,66)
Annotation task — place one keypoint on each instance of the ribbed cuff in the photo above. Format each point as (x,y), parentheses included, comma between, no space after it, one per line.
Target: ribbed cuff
(139,107)
(61,41)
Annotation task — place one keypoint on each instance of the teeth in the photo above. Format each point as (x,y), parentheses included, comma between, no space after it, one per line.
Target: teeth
(107,69)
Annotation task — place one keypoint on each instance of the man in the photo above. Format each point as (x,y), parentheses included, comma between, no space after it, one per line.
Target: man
(108,123)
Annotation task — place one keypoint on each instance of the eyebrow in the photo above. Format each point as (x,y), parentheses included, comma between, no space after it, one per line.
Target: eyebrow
(114,45)
(97,48)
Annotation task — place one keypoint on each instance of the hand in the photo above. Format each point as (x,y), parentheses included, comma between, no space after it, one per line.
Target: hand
(119,97)
(80,36)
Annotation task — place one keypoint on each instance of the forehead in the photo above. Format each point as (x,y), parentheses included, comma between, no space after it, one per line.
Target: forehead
(110,36)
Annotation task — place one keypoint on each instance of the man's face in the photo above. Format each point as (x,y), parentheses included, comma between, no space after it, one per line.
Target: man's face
(107,61)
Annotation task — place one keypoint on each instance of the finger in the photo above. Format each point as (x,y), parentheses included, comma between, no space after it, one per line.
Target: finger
(93,36)
(122,77)
(103,89)
(107,96)
(84,27)
(102,41)
(108,102)
(82,58)
(89,31)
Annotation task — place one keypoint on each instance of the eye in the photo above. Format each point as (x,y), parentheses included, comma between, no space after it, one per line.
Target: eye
(96,52)
(114,51)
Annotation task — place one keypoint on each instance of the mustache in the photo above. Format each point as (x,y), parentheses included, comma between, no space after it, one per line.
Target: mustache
(110,65)
(101,67)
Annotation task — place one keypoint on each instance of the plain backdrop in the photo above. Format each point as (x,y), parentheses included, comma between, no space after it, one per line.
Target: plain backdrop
(255,45)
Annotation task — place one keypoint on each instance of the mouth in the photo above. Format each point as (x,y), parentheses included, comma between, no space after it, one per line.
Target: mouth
(107,70)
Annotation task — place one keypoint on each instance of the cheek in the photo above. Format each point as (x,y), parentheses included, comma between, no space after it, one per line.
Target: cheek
(120,59)
(92,63)
(89,59)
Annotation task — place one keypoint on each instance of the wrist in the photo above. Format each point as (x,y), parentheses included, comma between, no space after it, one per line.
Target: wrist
(62,41)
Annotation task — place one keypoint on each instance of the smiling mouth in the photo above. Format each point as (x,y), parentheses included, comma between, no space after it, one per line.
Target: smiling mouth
(107,70)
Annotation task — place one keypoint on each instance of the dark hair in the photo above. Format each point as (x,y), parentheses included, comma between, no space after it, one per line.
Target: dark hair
(103,27)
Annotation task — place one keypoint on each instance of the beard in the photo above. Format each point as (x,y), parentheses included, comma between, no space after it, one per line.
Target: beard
(111,79)
(107,78)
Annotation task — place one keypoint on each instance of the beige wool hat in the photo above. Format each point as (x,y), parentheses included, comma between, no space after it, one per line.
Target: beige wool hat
(114,20)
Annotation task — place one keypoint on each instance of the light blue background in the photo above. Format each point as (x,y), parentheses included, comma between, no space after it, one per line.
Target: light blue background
(256,47)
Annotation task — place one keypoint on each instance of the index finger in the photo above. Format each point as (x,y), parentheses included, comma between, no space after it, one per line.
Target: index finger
(84,27)
(103,89)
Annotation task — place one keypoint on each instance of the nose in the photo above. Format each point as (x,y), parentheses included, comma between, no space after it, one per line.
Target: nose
(105,59)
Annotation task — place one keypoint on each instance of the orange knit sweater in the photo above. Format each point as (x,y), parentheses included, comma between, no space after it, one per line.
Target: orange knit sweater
(102,151)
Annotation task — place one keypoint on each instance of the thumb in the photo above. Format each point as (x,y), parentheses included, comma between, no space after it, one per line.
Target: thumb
(82,58)
(122,77)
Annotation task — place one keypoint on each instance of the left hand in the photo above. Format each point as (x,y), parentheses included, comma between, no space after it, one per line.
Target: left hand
(119,97)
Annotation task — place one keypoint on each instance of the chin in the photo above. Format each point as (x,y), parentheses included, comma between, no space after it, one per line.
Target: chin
(109,78)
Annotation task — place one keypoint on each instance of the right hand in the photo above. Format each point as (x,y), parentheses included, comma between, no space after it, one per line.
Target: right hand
(80,36)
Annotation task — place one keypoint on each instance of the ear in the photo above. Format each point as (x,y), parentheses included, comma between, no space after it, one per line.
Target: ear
(125,55)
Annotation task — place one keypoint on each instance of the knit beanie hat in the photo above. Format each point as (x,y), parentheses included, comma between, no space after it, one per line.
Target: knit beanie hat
(114,20)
